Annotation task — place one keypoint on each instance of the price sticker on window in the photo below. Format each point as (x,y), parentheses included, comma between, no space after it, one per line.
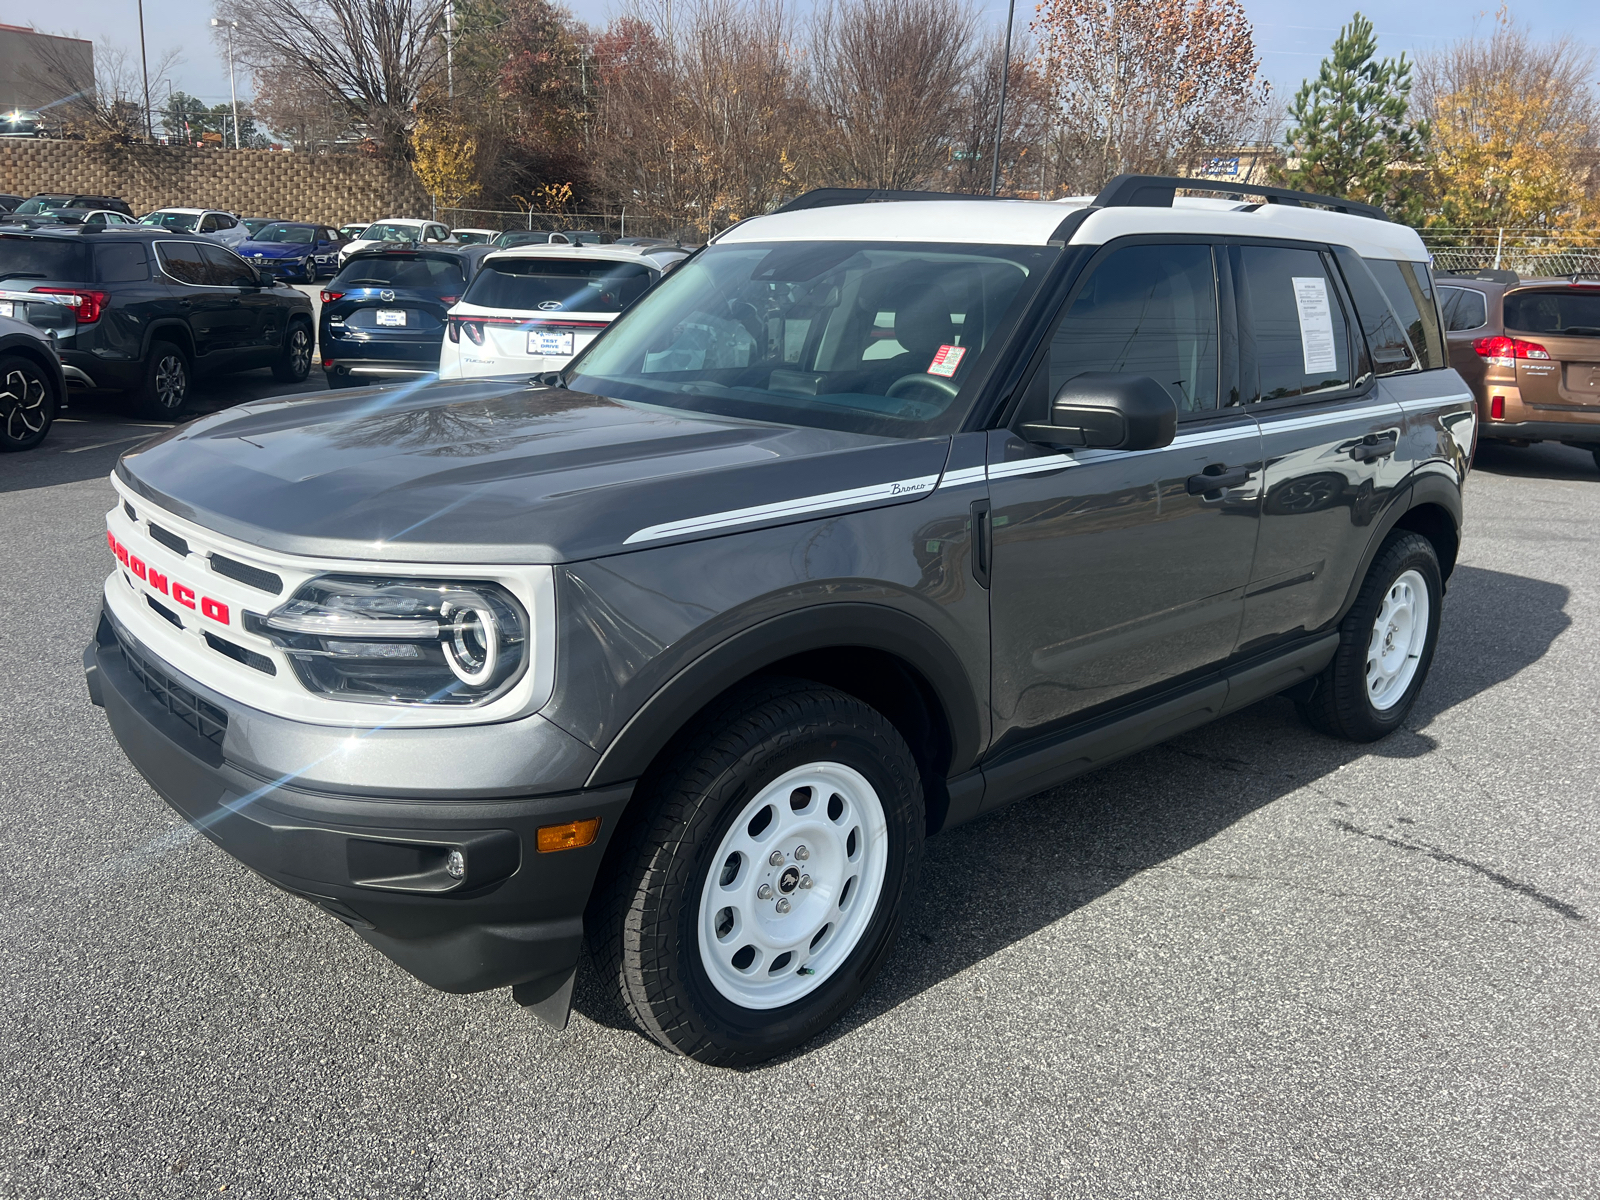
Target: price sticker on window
(946,359)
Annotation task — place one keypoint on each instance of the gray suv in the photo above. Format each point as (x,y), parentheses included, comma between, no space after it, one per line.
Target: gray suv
(881,512)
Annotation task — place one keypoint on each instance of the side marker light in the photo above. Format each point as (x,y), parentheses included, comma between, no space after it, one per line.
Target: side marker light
(571,836)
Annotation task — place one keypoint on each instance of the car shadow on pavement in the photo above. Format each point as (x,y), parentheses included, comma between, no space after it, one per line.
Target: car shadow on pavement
(1546,460)
(997,880)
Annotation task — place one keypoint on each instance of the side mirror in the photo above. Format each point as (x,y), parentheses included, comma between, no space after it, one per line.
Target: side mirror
(1108,410)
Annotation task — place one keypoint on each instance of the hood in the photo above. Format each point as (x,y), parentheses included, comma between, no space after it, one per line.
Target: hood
(497,471)
(275,249)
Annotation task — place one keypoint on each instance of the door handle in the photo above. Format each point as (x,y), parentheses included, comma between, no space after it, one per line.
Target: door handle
(185,303)
(982,551)
(1375,446)
(1216,478)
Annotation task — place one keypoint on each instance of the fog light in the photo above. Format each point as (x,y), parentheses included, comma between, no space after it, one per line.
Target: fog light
(456,865)
(571,836)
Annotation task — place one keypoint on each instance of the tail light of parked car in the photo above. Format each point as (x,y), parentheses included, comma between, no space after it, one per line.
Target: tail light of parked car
(86,305)
(473,327)
(1502,351)
(1497,408)
(329,297)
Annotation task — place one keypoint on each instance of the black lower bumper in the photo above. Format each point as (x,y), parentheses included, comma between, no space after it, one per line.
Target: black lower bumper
(514,917)
(1574,433)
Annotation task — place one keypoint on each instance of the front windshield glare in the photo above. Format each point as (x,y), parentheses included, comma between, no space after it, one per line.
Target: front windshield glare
(390,233)
(300,235)
(870,337)
(182,222)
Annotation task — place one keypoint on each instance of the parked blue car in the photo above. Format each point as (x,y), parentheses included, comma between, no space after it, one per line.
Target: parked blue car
(296,251)
(384,313)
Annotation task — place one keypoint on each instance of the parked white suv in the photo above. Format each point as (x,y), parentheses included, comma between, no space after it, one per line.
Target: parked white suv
(207,222)
(395,231)
(530,309)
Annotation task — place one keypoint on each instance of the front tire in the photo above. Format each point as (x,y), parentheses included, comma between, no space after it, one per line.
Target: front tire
(27,403)
(165,393)
(764,883)
(1386,645)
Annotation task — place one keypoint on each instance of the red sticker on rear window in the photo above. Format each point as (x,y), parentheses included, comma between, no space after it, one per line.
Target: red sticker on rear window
(946,359)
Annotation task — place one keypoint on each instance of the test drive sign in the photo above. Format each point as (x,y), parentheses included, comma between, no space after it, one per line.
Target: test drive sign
(180,593)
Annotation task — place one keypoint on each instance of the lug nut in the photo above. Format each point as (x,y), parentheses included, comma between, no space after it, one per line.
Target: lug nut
(802,853)
(805,881)
(782,906)
(764,892)
(776,858)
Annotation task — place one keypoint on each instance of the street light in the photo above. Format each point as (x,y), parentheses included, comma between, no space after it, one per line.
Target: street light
(232,87)
(1000,117)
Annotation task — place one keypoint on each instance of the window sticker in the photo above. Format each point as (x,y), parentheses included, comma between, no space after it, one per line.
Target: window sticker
(946,359)
(1316,324)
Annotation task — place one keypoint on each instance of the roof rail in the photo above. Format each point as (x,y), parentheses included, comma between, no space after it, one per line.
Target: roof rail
(832,197)
(1157,191)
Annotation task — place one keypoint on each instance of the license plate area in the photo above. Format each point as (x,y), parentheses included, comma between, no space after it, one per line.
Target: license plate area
(549,343)
(7,309)
(391,318)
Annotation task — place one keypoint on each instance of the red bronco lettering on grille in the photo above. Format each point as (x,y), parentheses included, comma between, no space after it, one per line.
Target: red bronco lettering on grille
(214,610)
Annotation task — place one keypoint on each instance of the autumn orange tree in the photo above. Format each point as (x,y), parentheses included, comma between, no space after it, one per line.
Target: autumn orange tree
(1150,85)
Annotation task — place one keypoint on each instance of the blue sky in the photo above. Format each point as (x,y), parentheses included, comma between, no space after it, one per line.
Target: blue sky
(1291,36)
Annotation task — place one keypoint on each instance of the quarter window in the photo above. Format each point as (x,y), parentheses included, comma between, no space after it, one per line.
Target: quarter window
(1297,342)
(1391,350)
(183,262)
(1145,310)
(227,269)
(1463,309)
(1410,290)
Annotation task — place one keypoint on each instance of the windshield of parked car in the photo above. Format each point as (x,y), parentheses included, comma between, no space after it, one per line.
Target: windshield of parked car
(871,337)
(179,222)
(400,272)
(558,285)
(40,204)
(384,232)
(299,235)
(1572,310)
(470,237)
(523,237)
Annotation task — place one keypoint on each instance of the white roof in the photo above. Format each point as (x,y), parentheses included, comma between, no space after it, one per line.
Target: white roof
(195,211)
(401,221)
(1032,222)
(613,253)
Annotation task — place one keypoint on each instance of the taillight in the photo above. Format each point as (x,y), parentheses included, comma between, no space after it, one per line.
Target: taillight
(1497,408)
(474,331)
(448,299)
(87,305)
(329,297)
(1503,351)
(452,329)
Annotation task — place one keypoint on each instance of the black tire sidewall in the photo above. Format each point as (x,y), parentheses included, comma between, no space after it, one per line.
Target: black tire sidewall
(149,402)
(1405,552)
(285,370)
(52,404)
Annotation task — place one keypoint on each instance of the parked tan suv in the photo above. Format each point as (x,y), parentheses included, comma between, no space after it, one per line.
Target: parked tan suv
(1530,349)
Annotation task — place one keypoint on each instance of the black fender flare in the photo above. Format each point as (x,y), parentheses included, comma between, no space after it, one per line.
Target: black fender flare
(818,627)
(1419,488)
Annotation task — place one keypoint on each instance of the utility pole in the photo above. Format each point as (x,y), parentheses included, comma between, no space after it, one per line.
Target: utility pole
(450,48)
(1000,118)
(232,85)
(144,69)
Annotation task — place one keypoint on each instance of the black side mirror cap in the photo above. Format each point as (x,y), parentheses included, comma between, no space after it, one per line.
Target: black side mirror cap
(1106,410)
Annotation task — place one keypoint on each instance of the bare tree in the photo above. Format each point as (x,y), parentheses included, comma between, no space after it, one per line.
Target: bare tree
(373,58)
(972,139)
(890,78)
(107,107)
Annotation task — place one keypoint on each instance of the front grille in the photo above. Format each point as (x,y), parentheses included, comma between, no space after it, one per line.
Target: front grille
(239,654)
(170,540)
(255,577)
(128,508)
(209,721)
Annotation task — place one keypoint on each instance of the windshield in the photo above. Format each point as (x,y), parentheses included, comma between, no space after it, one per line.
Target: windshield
(426,274)
(559,285)
(299,235)
(383,232)
(255,224)
(471,237)
(869,337)
(1573,311)
(41,204)
(180,222)
(523,237)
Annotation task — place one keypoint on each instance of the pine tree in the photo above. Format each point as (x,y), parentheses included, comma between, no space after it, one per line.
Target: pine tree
(1349,129)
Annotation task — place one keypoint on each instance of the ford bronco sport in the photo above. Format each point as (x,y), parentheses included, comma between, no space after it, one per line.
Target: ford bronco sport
(869,519)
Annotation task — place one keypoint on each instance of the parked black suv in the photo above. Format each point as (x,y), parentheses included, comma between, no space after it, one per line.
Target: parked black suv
(867,520)
(42,204)
(146,311)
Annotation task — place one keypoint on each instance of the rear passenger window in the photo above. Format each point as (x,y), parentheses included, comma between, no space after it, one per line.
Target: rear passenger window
(1295,335)
(1410,289)
(1391,350)
(183,261)
(1146,310)
(121,262)
(1463,309)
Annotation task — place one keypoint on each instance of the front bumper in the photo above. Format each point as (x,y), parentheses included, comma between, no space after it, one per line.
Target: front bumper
(514,918)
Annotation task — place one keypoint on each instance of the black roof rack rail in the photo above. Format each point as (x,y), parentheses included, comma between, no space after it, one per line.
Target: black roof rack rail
(832,197)
(1157,191)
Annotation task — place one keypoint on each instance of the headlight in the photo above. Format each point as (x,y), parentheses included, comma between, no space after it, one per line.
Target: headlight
(401,641)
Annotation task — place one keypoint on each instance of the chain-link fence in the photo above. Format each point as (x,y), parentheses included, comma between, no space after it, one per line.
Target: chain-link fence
(620,222)
(1528,252)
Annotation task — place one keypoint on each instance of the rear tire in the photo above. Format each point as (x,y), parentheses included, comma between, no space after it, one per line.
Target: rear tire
(1386,645)
(731,946)
(27,403)
(165,392)
(294,364)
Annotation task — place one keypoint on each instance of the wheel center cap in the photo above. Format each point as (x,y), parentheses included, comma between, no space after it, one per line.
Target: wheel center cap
(789,880)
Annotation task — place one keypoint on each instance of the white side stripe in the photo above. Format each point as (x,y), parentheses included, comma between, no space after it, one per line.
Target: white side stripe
(786,508)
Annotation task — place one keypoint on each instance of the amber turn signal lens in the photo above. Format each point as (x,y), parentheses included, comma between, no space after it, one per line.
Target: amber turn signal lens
(570,836)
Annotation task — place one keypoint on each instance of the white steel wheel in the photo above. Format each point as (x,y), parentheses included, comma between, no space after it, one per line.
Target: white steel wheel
(1398,637)
(793,886)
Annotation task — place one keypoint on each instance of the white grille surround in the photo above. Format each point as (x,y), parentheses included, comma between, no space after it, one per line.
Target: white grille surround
(282,694)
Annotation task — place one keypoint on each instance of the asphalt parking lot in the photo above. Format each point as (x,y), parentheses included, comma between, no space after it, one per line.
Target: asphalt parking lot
(1253,962)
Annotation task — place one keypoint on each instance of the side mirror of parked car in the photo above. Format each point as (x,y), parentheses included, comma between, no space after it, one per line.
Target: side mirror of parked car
(1108,410)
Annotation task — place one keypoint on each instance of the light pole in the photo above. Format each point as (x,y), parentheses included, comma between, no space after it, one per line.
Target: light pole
(144,69)
(1000,118)
(234,88)
(450,47)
